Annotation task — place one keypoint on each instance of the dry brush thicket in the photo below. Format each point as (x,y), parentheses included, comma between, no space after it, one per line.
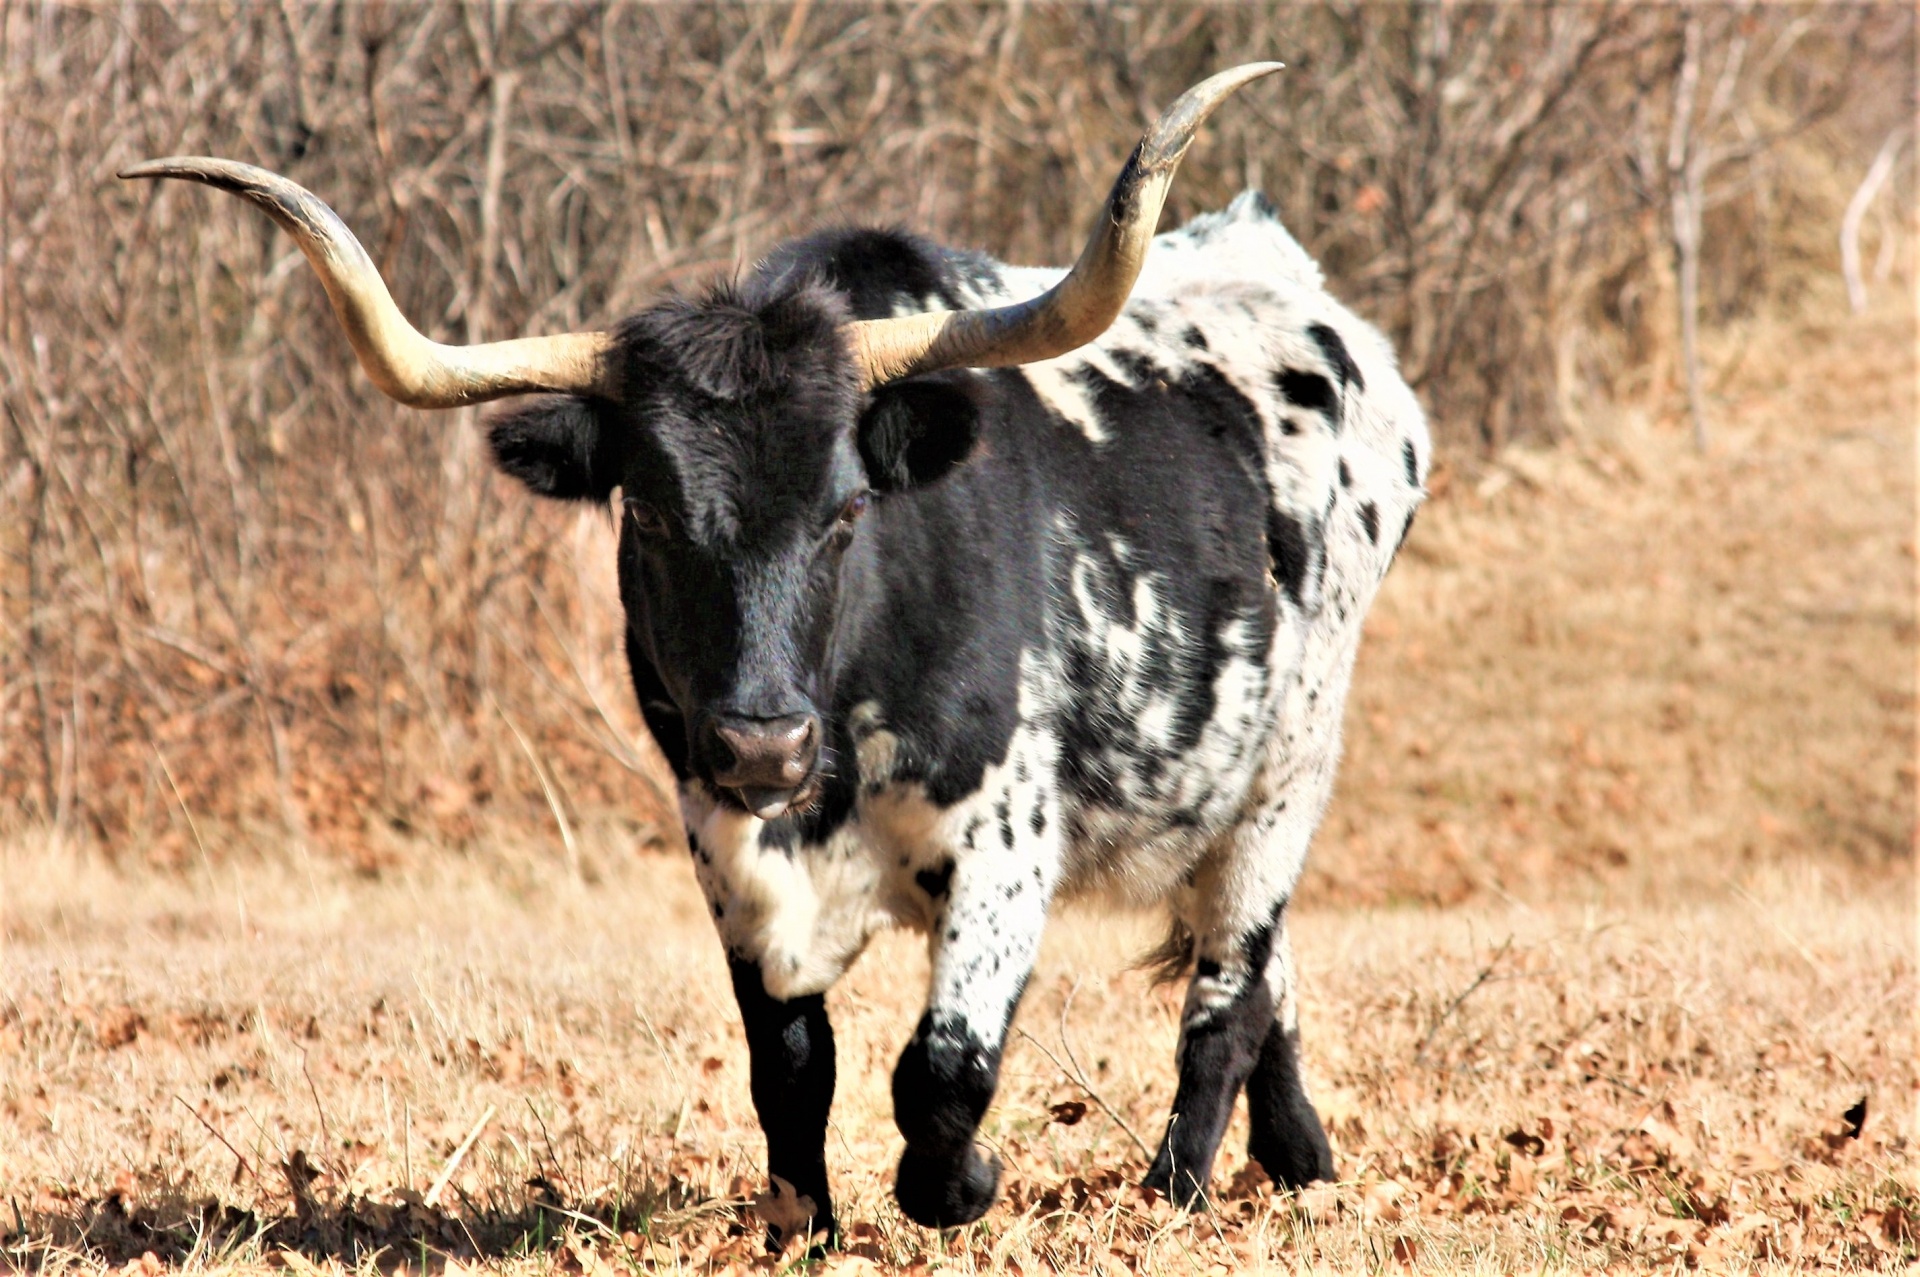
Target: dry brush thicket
(243,594)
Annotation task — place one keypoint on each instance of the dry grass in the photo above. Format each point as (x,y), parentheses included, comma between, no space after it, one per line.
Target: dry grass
(1623,1082)
(1612,923)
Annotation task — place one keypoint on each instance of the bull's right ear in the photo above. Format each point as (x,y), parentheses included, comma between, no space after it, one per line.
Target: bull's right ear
(558,446)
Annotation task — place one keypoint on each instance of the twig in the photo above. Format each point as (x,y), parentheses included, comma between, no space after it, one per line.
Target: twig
(1857,207)
(214,1131)
(1420,1052)
(326,1128)
(547,787)
(459,1155)
(1078,1076)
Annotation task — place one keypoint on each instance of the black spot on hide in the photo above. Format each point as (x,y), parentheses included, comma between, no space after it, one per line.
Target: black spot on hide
(1370,520)
(1404,529)
(1308,390)
(1291,550)
(935,881)
(1337,354)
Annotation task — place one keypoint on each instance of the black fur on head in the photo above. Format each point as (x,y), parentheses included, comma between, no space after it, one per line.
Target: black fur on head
(747,458)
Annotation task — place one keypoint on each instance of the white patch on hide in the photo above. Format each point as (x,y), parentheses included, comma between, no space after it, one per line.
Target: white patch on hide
(1053,381)
(803,918)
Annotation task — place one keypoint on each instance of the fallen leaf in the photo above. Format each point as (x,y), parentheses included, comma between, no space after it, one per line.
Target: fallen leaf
(849,1266)
(787,1213)
(1855,1119)
(1382,1202)
(1318,1201)
(1068,1113)
(1248,1181)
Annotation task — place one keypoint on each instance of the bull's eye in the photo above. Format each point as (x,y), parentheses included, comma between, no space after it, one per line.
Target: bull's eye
(646,520)
(855,507)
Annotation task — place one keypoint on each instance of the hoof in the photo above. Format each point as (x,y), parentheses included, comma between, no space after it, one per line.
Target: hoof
(1180,1187)
(938,1193)
(791,1216)
(1297,1157)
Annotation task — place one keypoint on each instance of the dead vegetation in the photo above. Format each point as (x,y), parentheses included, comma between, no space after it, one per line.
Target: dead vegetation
(243,596)
(268,1068)
(1622,654)
(331,846)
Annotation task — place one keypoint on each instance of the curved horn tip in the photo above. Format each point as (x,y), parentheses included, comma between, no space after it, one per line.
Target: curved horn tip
(1221,83)
(1175,128)
(231,175)
(170,166)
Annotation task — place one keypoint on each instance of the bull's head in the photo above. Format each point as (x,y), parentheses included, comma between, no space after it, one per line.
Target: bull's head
(747,432)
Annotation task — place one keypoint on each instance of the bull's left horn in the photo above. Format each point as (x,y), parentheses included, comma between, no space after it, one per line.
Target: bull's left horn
(404,364)
(1078,308)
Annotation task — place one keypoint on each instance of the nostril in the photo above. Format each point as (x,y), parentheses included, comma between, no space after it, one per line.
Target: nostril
(721,755)
(773,753)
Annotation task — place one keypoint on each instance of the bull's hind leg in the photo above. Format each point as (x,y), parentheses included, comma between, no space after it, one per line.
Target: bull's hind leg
(1237,1028)
(1229,1006)
(1286,1138)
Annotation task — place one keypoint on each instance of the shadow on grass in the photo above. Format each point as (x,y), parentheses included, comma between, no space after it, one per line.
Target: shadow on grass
(392,1231)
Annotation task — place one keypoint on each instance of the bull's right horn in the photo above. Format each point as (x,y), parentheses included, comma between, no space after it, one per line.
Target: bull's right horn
(1078,308)
(404,364)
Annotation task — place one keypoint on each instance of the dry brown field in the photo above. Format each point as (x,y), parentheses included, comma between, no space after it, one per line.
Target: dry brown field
(1608,948)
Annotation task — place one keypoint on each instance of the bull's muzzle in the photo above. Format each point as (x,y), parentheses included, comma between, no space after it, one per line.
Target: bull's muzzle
(766,762)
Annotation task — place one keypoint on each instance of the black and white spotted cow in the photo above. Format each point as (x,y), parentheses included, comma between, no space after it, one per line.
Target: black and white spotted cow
(1053,607)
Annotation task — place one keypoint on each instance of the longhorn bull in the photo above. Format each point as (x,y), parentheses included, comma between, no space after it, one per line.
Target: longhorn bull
(946,600)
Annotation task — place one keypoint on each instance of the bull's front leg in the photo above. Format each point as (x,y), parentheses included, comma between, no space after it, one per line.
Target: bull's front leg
(790,1058)
(988,906)
(793,915)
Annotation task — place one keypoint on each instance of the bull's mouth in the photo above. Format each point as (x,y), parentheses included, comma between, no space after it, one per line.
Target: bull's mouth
(771,804)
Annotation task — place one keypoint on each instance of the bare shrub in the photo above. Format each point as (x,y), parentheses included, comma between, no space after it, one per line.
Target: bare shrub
(242,592)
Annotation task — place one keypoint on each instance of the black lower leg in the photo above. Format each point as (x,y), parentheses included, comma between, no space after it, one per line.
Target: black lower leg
(790,1049)
(941,1089)
(1217,1053)
(1287,1138)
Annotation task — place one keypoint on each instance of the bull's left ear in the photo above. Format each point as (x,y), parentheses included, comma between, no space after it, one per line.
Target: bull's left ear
(916,431)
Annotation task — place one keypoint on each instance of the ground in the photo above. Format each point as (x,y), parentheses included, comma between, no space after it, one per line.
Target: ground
(1608,950)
